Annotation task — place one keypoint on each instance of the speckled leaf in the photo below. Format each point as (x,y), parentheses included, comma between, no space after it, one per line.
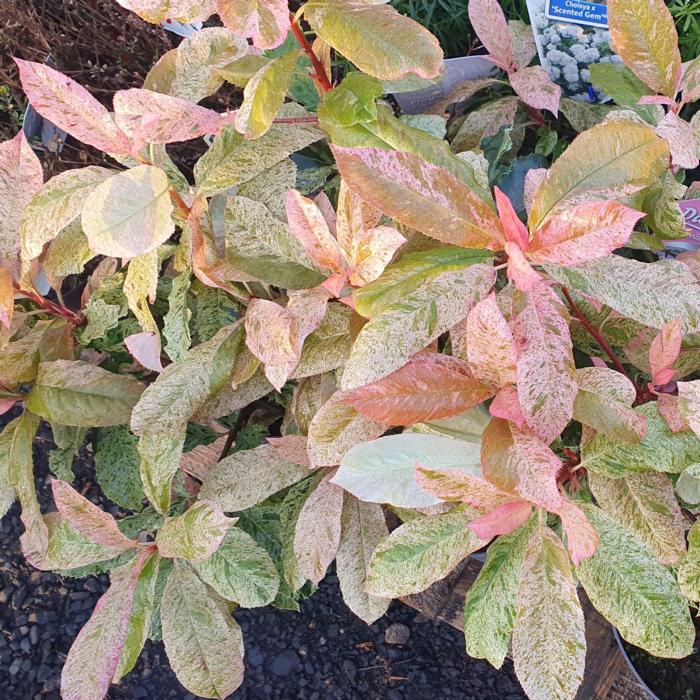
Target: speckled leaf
(650,293)
(363,528)
(241,571)
(176,330)
(644,34)
(660,450)
(430,386)
(264,95)
(545,365)
(383,470)
(646,504)
(549,642)
(630,587)
(317,533)
(688,484)
(682,140)
(689,568)
(71,107)
(117,466)
(336,428)
(248,477)
(689,404)
(376,38)
(7,493)
(485,121)
(203,642)
(598,404)
(408,326)
(266,22)
(420,195)
(490,25)
(664,351)
(371,251)
(536,89)
(490,602)
(140,287)
(609,161)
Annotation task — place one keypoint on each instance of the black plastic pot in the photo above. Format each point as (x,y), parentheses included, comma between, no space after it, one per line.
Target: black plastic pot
(635,673)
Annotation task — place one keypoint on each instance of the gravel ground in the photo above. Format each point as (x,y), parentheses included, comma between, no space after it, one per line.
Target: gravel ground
(324,653)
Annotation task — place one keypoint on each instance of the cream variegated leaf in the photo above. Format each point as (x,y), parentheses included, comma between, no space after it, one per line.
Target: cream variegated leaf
(248,477)
(483,122)
(336,428)
(689,404)
(545,366)
(689,568)
(646,504)
(371,252)
(408,326)
(181,10)
(203,642)
(630,587)
(664,351)
(549,642)
(490,25)
(524,46)
(536,89)
(266,22)
(682,140)
(362,529)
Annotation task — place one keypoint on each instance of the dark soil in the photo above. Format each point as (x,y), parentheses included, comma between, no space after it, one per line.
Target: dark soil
(322,653)
(670,679)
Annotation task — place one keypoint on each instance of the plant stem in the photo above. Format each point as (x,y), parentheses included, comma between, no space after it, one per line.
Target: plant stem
(593,332)
(243,416)
(180,203)
(50,307)
(319,70)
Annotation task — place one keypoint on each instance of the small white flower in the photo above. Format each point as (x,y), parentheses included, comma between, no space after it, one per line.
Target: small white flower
(586,75)
(591,55)
(616,59)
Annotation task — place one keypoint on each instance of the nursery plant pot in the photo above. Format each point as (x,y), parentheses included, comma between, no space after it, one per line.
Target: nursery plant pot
(633,669)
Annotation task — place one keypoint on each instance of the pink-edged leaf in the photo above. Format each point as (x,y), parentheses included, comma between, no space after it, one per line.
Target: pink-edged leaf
(533,180)
(669,408)
(689,403)
(501,521)
(490,25)
(430,386)
(311,229)
(490,349)
(317,533)
(94,656)
(71,107)
(545,370)
(152,117)
(535,88)
(266,22)
(515,230)
(656,100)
(420,195)
(461,486)
(21,177)
(664,351)
(292,448)
(583,232)
(326,207)
(506,405)
(520,272)
(537,468)
(372,250)
(86,518)
(682,140)
(145,348)
(581,537)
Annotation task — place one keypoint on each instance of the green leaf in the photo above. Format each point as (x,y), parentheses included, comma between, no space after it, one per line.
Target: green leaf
(620,83)
(203,642)
(232,160)
(261,245)
(420,552)
(490,603)
(660,450)
(176,329)
(264,94)
(101,317)
(630,587)
(688,484)
(117,466)
(80,394)
(382,470)
(213,309)
(241,571)
(549,616)
(406,327)
(242,70)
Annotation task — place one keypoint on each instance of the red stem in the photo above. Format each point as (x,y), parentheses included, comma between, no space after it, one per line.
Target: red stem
(49,306)
(319,70)
(596,334)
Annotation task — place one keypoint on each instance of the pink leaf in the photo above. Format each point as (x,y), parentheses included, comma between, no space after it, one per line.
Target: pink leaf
(537,468)
(533,180)
(86,518)
(490,25)
(670,410)
(501,521)
(520,272)
(265,21)
(583,233)
(490,347)
(545,371)
(151,117)
(71,107)
(581,538)
(372,250)
(310,227)
(656,100)
(94,656)
(354,217)
(664,351)
(145,347)
(326,207)
(597,362)
(681,140)
(430,386)
(514,229)
(535,88)
(507,406)
(292,448)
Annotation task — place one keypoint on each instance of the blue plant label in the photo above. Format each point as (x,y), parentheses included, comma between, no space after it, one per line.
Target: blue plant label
(593,14)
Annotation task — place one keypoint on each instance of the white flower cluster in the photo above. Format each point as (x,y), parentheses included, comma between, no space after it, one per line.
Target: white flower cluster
(567,50)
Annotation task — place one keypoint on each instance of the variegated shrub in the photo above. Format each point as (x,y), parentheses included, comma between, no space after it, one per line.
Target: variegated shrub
(482,341)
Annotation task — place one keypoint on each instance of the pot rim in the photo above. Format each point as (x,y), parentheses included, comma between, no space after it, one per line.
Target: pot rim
(632,667)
